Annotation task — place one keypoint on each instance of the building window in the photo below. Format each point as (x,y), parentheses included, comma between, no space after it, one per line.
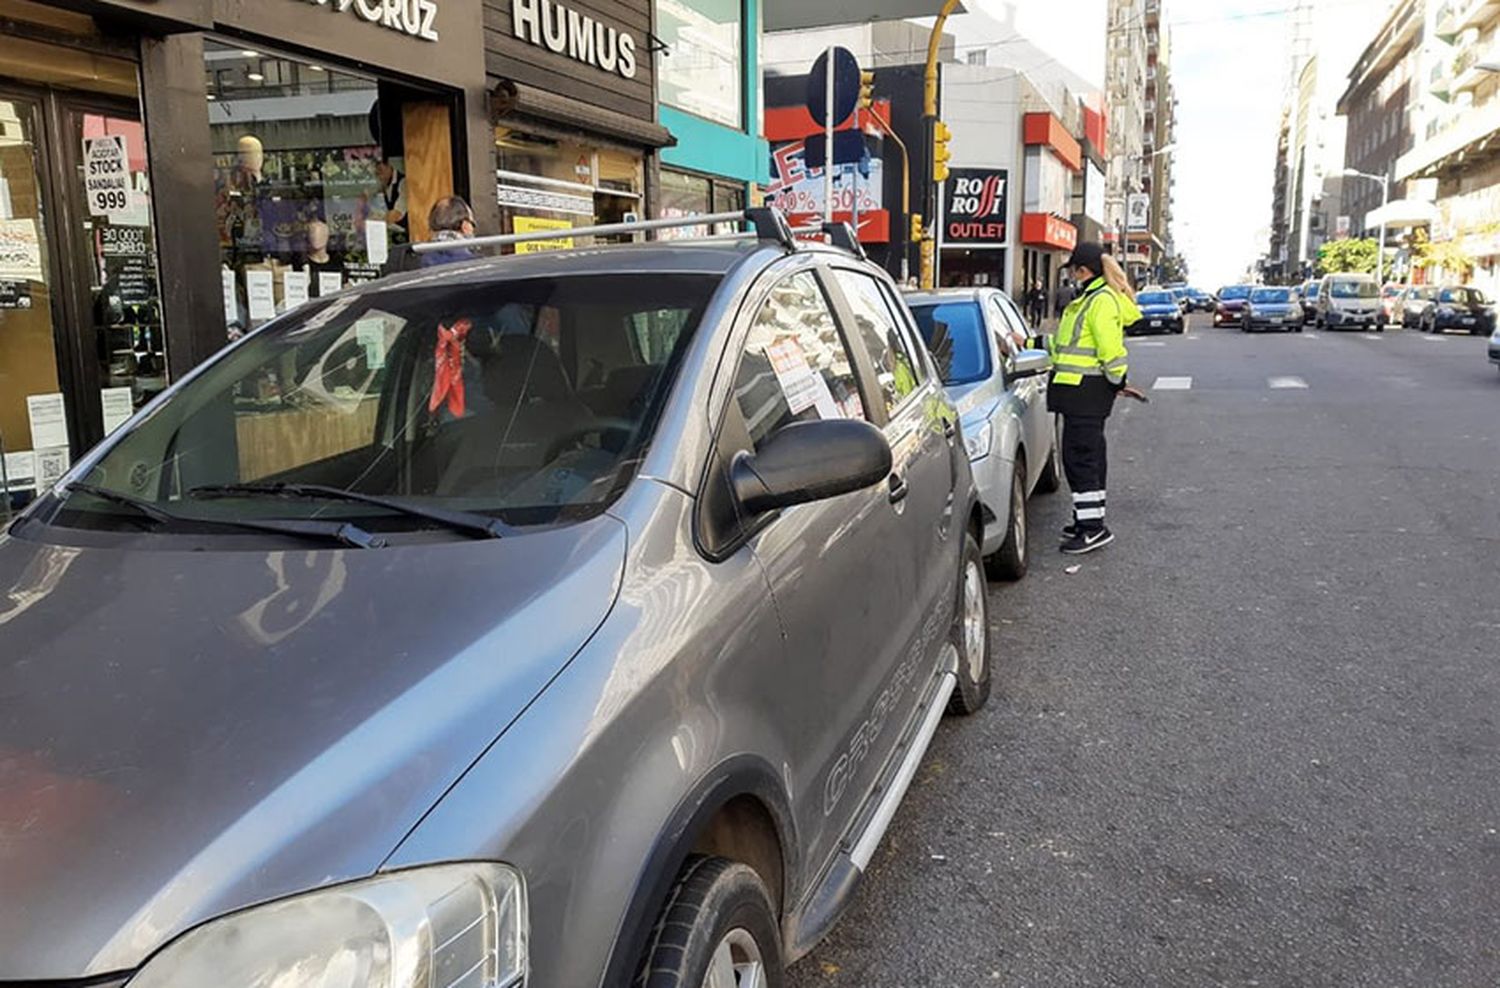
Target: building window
(548,184)
(685,194)
(700,69)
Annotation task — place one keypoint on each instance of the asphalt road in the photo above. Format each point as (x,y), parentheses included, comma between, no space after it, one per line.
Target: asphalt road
(1257,740)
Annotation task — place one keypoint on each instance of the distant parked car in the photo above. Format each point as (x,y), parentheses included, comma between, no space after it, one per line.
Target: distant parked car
(1495,348)
(1413,304)
(1160,313)
(981,345)
(1349,301)
(1464,308)
(1308,294)
(1272,307)
(1231,305)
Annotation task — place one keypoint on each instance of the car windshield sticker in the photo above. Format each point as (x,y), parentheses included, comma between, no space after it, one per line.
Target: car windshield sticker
(448,368)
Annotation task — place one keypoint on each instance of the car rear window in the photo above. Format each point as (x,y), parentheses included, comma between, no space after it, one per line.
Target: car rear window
(1235,291)
(956,334)
(1351,288)
(1462,296)
(1155,298)
(1271,295)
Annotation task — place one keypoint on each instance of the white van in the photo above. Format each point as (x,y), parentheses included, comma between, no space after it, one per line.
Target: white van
(1349,301)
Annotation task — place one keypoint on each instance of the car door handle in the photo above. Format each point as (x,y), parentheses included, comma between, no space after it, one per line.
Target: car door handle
(899,488)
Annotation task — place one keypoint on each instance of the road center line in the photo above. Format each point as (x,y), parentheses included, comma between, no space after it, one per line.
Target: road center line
(1172,384)
(1148,343)
(1286,383)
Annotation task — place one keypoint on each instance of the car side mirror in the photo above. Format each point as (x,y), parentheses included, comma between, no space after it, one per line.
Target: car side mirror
(1030,363)
(810,461)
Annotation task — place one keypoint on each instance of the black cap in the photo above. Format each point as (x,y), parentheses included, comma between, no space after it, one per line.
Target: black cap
(1088,255)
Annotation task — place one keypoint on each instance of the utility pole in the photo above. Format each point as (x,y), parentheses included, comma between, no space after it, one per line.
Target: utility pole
(930,132)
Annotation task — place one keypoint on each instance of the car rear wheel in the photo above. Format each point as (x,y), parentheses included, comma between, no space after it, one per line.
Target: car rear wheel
(1052,471)
(717,930)
(1010,560)
(971,635)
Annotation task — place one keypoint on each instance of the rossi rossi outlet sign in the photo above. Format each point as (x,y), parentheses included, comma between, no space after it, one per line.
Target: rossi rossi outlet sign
(975,207)
(414,18)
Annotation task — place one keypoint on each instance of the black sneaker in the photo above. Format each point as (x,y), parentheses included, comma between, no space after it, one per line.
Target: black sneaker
(1083,542)
(1070,530)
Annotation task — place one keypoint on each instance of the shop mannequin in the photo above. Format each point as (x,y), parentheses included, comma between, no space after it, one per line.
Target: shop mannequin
(318,257)
(252,158)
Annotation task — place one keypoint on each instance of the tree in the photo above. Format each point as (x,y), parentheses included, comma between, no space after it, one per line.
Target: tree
(1442,256)
(1173,269)
(1338,256)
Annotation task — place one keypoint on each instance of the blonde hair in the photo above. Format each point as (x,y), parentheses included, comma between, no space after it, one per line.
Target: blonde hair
(1116,278)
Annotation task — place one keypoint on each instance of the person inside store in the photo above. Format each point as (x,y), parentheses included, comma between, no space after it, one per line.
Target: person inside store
(1089,367)
(392,194)
(450,219)
(1036,302)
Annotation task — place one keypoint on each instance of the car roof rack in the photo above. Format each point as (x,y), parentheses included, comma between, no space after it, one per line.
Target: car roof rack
(766,223)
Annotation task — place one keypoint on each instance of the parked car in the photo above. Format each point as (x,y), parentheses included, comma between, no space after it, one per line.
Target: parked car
(1412,304)
(1308,295)
(982,348)
(1495,348)
(1180,294)
(1461,308)
(1272,307)
(1160,313)
(1200,301)
(1349,301)
(1231,304)
(603,636)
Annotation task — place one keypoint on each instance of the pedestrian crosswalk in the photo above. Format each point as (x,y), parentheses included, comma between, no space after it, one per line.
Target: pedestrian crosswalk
(1286,383)
(1173,384)
(1280,382)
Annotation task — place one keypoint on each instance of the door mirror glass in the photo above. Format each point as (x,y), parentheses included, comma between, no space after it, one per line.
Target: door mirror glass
(810,461)
(1031,363)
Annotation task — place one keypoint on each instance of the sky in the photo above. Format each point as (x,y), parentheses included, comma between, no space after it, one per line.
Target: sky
(1229,63)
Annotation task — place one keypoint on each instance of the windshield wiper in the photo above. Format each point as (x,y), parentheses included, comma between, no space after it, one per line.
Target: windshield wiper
(348,534)
(469,522)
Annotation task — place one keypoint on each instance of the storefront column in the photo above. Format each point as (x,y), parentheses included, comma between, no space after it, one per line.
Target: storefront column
(180,156)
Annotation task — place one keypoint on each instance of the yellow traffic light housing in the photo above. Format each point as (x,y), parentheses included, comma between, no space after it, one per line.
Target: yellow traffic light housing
(916,227)
(866,89)
(941,135)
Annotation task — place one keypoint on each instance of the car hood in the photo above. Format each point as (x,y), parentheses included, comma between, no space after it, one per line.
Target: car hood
(183,733)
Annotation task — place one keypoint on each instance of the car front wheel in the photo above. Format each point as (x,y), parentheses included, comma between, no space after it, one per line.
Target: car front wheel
(971,634)
(1010,560)
(717,930)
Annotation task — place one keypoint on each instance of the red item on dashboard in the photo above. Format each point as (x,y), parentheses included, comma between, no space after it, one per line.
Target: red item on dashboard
(448,368)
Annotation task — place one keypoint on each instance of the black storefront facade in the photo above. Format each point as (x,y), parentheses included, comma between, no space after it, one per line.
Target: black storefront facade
(175,172)
(573,113)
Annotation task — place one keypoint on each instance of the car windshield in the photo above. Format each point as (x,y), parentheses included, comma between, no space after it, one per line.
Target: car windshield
(1352,289)
(1271,295)
(1462,296)
(530,400)
(1155,298)
(1311,290)
(955,333)
(1426,293)
(1234,292)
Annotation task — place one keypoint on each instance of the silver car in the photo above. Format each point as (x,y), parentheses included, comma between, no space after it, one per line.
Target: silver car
(999,384)
(586,622)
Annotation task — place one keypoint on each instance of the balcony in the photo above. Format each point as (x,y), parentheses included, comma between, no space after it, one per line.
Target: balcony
(1440,80)
(1475,13)
(1153,13)
(1473,136)
(1467,75)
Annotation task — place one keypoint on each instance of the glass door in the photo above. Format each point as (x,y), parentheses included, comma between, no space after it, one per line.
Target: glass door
(34,412)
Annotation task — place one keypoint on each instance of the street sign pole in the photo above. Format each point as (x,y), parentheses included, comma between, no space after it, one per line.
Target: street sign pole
(828,141)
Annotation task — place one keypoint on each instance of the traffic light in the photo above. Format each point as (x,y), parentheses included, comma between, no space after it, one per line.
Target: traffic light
(866,89)
(916,227)
(941,135)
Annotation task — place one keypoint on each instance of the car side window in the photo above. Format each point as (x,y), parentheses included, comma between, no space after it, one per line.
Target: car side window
(796,365)
(895,365)
(1020,336)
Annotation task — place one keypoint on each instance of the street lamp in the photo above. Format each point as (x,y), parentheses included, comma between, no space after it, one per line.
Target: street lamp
(1385,199)
(1167,148)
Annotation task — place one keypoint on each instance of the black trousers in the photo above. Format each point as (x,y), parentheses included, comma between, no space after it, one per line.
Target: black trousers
(1085,461)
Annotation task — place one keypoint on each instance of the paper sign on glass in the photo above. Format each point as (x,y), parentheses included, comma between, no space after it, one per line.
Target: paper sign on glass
(329,282)
(294,285)
(20,470)
(370,334)
(231,306)
(260,292)
(793,374)
(118,406)
(377,248)
(51,464)
(49,420)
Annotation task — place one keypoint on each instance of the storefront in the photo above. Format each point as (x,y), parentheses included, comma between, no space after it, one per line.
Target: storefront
(299,142)
(573,114)
(710,91)
(976,228)
(1053,158)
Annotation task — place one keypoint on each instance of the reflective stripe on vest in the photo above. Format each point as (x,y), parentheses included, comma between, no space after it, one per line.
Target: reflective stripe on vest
(1067,371)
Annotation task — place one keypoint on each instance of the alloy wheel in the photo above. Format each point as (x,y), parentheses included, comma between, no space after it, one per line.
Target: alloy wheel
(975,620)
(737,963)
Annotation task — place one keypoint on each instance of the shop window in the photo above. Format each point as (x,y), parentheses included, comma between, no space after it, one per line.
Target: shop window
(318,172)
(684,194)
(547,184)
(699,71)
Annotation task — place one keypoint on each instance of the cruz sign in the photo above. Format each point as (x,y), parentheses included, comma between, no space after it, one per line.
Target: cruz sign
(976,207)
(415,18)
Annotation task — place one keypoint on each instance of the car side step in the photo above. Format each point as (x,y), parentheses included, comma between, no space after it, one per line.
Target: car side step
(822,908)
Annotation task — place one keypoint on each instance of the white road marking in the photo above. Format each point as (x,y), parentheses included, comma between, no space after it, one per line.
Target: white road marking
(1371,336)
(1172,384)
(1149,343)
(1435,339)
(1286,383)
(1191,336)
(1311,336)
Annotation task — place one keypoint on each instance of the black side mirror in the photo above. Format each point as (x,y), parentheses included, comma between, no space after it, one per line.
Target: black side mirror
(810,461)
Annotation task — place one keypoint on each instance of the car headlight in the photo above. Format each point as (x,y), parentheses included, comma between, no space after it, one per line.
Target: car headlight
(460,924)
(977,441)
